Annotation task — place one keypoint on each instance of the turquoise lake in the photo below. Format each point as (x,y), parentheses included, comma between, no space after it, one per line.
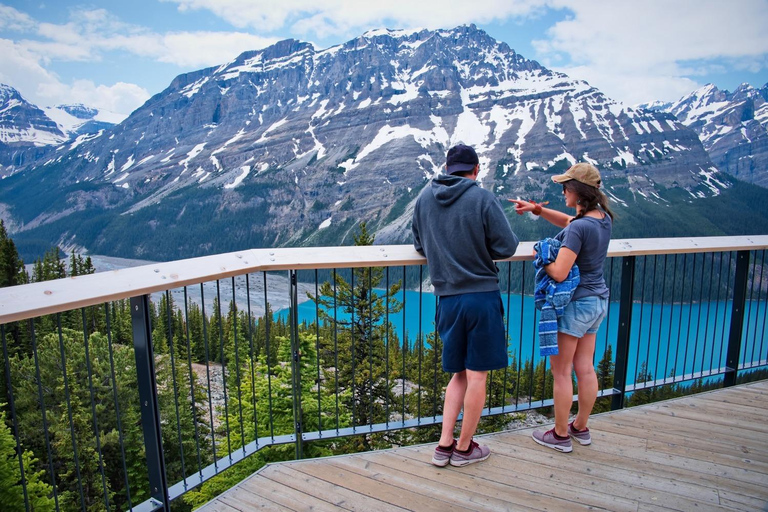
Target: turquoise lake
(684,338)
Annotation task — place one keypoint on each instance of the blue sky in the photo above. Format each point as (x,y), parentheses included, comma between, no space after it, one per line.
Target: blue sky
(116,54)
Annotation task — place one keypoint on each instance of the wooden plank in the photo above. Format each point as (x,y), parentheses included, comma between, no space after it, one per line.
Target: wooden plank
(388,497)
(341,497)
(529,476)
(687,426)
(631,472)
(216,505)
(716,446)
(490,486)
(757,428)
(268,489)
(685,471)
(649,458)
(433,490)
(247,501)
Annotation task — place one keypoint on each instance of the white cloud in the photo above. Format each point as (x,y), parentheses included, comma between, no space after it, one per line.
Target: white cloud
(93,35)
(12,19)
(321,17)
(653,49)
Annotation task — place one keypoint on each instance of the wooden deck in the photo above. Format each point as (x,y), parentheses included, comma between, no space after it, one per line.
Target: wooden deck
(704,452)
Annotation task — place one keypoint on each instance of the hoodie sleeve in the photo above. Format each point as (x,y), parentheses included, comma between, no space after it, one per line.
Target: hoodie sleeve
(415,230)
(499,237)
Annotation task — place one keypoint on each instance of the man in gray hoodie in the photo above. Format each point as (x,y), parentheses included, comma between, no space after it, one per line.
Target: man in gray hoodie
(461,229)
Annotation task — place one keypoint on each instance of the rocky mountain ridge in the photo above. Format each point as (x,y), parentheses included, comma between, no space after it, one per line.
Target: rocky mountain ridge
(294,146)
(733,126)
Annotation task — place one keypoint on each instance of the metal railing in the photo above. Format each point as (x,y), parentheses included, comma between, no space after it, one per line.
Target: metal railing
(130,389)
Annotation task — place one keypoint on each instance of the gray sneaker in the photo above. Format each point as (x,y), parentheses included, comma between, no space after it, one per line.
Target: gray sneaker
(582,436)
(442,455)
(548,439)
(476,453)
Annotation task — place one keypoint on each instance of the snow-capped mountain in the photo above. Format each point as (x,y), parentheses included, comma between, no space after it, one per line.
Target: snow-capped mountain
(75,120)
(293,145)
(23,123)
(732,126)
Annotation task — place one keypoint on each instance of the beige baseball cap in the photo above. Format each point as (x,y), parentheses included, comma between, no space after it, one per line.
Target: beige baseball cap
(582,172)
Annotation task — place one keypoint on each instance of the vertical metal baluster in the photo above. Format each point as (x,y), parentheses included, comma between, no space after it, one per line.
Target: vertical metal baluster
(671,314)
(405,341)
(43,412)
(96,431)
(506,336)
(709,309)
(269,368)
(759,299)
(237,365)
(420,337)
(117,404)
(435,391)
(698,317)
(748,310)
(728,281)
(386,346)
(534,351)
(11,402)
(336,347)
(650,325)
(298,415)
(765,314)
(208,377)
(661,319)
(680,320)
(370,345)
(624,330)
(69,411)
(223,369)
(352,333)
(640,320)
(735,332)
(608,312)
(252,362)
(520,341)
(717,314)
(192,378)
(317,355)
(169,315)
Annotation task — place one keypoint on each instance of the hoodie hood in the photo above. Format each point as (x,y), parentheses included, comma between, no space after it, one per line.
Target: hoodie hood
(447,188)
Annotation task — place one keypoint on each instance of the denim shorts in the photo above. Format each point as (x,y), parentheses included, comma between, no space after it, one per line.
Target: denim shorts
(582,316)
(471,326)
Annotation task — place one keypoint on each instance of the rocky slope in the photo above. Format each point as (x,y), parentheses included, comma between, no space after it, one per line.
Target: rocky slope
(292,145)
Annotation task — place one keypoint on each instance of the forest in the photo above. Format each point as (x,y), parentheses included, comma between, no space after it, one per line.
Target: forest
(71,436)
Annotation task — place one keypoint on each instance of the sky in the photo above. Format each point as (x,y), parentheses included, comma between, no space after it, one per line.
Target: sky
(114,55)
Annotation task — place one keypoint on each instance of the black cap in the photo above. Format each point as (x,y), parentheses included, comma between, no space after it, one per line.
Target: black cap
(461,158)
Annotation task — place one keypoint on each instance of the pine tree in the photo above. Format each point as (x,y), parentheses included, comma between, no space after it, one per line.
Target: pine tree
(12,492)
(360,351)
(12,270)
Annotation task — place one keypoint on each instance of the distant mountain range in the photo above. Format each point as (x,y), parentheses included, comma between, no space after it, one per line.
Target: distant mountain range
(295,146)
(732,126)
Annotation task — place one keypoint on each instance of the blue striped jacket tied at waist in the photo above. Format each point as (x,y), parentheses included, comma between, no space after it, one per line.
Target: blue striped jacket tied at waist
(550,296)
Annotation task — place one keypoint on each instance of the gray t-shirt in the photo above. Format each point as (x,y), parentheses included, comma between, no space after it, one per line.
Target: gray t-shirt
(588,237)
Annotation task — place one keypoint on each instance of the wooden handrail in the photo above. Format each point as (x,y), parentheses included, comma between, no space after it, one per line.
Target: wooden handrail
(48,297)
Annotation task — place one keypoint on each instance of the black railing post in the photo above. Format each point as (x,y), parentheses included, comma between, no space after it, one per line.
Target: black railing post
(740,279)
(625,327)
(296,365)
(150,410)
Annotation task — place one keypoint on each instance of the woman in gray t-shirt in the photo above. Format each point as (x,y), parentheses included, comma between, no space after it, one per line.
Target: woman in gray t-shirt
(584,242)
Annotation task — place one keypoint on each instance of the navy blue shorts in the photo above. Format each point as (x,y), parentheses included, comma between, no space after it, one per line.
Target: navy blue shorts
(471,326)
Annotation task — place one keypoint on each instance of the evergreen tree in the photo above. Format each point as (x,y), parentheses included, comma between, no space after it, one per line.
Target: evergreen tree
(12,491)
(360,351)
(12,270)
